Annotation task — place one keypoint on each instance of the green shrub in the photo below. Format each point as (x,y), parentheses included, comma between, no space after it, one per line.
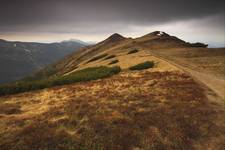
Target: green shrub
(110,56)
(87,75)
(144,65)
(132,51)
(113,62)
(78,76)
(97,57)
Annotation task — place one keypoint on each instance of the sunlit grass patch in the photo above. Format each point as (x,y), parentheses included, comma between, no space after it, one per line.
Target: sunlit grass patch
(9,109)
(43,135)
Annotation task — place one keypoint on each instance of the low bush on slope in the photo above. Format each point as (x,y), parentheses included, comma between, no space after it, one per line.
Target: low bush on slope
(114,62)
(144,65)
(110,56)
(97,57)
(78,76)
(132,51)
(88,74)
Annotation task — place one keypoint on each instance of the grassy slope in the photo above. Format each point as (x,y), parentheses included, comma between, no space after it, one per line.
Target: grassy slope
(161,108)
(207,60)
(168,111)
(114,46)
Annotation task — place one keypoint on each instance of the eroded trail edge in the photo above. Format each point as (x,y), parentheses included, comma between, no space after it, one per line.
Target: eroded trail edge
(212,82)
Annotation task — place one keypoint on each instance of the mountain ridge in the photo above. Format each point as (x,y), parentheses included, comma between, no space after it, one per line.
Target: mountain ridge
(117,42)
(149,89)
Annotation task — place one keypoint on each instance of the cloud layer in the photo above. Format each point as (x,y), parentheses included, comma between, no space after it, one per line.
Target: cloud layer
(102,17)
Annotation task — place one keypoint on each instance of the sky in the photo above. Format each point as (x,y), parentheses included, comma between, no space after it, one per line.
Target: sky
(95,20)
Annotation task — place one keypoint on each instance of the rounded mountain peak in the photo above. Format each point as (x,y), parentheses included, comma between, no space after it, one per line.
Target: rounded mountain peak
(158,33)
(115,37)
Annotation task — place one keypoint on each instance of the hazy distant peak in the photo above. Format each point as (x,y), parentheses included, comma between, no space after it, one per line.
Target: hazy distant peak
(75,40)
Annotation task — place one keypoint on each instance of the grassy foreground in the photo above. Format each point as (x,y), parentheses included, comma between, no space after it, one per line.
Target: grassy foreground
(78,76)
(112,114)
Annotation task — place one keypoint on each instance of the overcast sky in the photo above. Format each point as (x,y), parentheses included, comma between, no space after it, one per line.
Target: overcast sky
(94,20)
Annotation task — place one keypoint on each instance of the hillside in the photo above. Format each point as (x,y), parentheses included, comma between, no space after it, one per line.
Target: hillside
(20,59)
(120,94)
(117,44)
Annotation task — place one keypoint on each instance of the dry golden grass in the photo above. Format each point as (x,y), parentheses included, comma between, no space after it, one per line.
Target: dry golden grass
(204,64)
(157,108)
(210,61)
(126,61)
(132,110)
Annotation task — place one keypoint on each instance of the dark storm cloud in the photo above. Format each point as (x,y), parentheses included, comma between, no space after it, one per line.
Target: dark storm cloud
(90,15)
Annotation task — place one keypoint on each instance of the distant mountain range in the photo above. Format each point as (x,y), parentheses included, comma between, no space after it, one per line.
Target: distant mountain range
(19,59)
